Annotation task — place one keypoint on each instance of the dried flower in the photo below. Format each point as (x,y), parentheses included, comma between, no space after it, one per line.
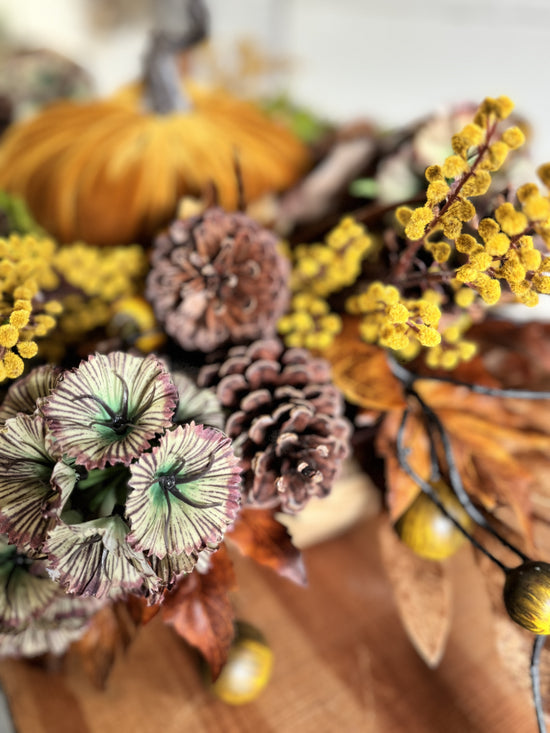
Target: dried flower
(110,407)
(34,481)
(37,616)
(285,419)
(185,492)
(94,559)
(217,278)
(28,393)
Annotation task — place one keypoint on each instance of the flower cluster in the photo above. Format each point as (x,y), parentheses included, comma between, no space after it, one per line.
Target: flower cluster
(25,273)
(462,248)
(107,479)
(319,270)
(95,278)
(393,322)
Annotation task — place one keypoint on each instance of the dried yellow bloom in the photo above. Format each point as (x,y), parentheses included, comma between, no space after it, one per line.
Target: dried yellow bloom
(403,214)
(398,313)
(464,297)
(511,222)
(530,259)
(543,172)
(13,365)
(420,218)
(478,184)
(536,208)
(441,251)
(454,166)
(27,349)
(541,283)
(436,192)
(466,274)
(513,137)
(498,245)
(9,335)
(466,243)
(434,173)
(428,336)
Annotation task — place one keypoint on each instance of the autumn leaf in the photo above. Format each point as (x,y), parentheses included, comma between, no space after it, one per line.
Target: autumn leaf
(200,610)
(260,536)
(423,595)
(140,611)
(402,490)
(361,371)
(110,632)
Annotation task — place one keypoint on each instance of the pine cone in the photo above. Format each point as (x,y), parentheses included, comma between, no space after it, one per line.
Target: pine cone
(217,278)
(285,418)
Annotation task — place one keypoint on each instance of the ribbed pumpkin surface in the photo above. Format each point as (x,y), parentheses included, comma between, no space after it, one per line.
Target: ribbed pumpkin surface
(107,172)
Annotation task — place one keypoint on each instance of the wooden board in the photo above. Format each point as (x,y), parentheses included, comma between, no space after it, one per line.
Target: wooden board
(342,663)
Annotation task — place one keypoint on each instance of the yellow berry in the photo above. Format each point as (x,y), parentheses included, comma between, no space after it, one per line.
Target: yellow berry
(427,531)
(527,596)
(248,667)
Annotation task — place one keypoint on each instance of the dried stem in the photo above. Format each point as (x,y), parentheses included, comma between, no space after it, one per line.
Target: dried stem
(413,246)
(538,646)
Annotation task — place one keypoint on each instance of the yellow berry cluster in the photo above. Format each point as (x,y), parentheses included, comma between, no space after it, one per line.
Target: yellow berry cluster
(319,270)
(464,174)
(324,268)
(395,323)
(26,272)
(310,323)
(97,277)
(453,348)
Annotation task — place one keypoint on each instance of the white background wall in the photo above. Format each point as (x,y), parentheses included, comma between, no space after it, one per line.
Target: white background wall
(391,59)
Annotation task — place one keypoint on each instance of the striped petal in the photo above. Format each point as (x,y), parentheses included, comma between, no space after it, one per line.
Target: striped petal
(33,483)
(94,559)
(65,620)
(172,566)
(185,492)
(25,589)
(110,407)
(28,393)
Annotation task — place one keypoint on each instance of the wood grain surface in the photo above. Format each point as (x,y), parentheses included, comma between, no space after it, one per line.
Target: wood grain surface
(342,663)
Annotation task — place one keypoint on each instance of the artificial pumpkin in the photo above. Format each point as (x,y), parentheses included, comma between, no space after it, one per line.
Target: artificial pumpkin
(111,172)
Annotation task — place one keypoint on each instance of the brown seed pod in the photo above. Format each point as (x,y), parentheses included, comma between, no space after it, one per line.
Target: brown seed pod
(527,596)
(427,531)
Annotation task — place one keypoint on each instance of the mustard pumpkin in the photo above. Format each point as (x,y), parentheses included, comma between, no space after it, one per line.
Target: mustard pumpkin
(110,172)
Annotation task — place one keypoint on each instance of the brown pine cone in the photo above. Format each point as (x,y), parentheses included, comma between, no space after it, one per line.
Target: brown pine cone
(216,279)
(285,418)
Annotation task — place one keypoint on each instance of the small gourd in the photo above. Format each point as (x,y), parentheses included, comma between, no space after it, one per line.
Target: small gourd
(248,667)
(427,531)
(527,596)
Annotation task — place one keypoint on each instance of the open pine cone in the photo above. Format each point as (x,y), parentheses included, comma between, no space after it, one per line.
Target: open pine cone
(285,418)
(217,278)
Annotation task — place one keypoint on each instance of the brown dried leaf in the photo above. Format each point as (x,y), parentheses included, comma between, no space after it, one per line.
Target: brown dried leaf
(423,595)
(260,536)
(110,632)
(200,610)
(402,490)
(139,610)
(361,371)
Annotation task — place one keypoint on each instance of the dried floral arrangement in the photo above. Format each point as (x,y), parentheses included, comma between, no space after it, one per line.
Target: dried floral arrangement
(166,400)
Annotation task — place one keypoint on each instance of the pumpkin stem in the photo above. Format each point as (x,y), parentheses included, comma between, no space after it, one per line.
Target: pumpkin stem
(179,25)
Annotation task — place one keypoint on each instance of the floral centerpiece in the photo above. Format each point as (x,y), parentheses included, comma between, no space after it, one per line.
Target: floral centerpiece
(165,400)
